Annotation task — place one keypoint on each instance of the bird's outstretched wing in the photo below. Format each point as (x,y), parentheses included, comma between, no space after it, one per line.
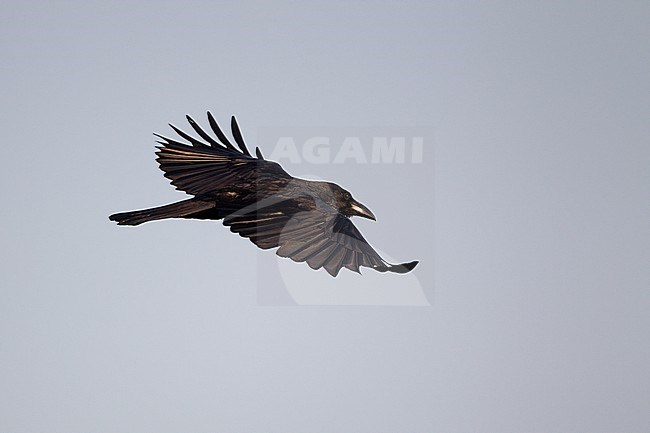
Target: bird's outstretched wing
(199,167)
(315,236)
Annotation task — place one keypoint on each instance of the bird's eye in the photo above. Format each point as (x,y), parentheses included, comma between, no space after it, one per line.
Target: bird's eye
(347,196)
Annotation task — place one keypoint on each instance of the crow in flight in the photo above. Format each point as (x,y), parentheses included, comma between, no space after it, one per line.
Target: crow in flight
(308,220)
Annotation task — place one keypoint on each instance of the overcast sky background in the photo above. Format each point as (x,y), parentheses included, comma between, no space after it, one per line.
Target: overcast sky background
(537,246)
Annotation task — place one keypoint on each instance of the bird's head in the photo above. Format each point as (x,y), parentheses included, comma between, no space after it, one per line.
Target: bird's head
(346,204)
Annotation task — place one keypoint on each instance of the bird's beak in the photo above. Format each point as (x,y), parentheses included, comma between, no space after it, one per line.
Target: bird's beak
(361,210)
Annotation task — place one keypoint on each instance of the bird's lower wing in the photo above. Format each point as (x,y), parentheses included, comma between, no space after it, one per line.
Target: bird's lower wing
(313,236)
(332,242)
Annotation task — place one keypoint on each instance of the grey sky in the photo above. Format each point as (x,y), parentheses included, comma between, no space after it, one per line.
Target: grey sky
(535,258)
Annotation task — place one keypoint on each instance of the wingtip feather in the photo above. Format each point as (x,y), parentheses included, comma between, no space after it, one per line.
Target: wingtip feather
(402,268)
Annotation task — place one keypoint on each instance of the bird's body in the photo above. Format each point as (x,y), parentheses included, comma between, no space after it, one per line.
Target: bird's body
(307,220)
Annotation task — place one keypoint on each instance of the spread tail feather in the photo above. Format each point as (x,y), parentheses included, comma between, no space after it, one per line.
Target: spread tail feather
(182,209)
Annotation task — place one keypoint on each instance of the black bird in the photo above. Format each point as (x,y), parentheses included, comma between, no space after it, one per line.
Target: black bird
(308,220)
